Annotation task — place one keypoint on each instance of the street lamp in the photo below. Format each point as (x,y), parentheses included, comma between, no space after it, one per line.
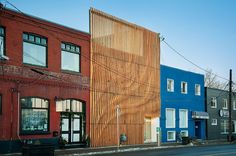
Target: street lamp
(117,125)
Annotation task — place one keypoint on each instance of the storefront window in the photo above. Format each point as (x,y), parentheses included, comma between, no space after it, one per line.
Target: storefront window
(34,115)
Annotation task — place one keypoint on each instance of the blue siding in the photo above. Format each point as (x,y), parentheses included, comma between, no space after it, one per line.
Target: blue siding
(177,100)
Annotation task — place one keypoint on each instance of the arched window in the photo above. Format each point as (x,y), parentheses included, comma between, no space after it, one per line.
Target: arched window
(34,115)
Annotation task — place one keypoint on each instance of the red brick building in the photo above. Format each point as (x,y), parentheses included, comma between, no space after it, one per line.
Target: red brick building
(44,82)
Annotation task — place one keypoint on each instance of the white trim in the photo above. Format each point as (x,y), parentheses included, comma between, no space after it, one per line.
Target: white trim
(186,121)
(172,89)
(215,101)
(234,104)
(174,135)
(214,122)
(196,90)
(185,131)
(225,102)
(167,126)
(186,87)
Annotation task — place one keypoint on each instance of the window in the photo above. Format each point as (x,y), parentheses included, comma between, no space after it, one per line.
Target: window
(34,115)
(70,105)
(170,85)
(234,126)
(183,118)
(213,102)
(170,118)
(171,136)
(214,122)
(184,133)
(225,105)
(224,125)
(2,41)
(70,57)
(34,50)
(0,103)
(234,105)
(184,87)
(197,89)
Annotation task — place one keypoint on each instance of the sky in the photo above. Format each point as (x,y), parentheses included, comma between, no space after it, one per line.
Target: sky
(204,31)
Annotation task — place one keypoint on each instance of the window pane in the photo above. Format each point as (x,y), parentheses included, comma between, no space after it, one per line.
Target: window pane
(70,61)
(43,41)
(1,31)
(31,38)
(183,118)
(77,49)
(63,46)
(34,54)
(34,120)
(37,40)
(170,118)
(1,45)
(25,36)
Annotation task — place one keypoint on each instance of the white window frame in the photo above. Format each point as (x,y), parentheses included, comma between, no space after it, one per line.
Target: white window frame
(174,136)
(225,104)
(214,100)
(214,122)
(234,104)
(172,126)
(197,89)
(186,116)
(184,91)
(184,131)
(234,126)
(225,126)
(172,85)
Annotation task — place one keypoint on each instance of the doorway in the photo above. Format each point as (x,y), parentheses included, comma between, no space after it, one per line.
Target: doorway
(198,129)
(147,129)
(72,127)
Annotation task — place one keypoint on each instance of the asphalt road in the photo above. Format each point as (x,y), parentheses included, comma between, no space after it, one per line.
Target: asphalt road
(216,150)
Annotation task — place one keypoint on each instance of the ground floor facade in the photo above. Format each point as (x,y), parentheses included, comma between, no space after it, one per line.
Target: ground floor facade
(181,122)
(42,113)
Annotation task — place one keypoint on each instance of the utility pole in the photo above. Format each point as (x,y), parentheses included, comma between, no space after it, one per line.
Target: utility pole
(118,128)
(230,106)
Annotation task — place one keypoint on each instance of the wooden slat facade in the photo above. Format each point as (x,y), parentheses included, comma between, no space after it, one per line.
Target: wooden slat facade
(125,71)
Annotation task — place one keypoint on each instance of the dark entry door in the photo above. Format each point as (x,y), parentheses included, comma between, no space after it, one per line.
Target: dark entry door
(72,127)
(198,129)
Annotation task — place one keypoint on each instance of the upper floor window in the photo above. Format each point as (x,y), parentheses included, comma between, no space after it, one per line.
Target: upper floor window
(184,87)
(197,89)
(2,41)
(34,115)
(170,85)
(70,57)
(213,102)
(34,50)
(225,104)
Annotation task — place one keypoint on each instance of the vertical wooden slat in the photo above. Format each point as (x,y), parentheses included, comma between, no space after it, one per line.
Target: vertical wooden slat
(125,71)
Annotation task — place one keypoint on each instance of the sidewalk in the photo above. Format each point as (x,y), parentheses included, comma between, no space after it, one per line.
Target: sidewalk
(113,149)
(126,148)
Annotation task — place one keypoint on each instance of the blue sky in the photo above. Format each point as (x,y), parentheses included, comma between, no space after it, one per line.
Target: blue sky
(204,31)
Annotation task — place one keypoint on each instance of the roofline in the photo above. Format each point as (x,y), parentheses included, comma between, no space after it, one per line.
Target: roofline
(182,70)
(44,20)
(114,18)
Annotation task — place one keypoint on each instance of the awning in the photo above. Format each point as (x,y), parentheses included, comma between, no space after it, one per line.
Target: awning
(200,115)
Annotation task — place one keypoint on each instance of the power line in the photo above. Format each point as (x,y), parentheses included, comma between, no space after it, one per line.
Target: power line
(96,62)
(191,62)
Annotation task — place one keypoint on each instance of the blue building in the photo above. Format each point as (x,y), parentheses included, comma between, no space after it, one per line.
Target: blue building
(182,105)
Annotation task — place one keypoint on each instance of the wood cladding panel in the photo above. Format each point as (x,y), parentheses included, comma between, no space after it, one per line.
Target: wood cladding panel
(125,71)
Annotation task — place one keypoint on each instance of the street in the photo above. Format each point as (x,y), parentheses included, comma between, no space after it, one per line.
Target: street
(216,150)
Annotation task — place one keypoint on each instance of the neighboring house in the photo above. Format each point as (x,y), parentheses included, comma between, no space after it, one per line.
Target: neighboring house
(182,104)
(217,103)
(44,82)
(125,80)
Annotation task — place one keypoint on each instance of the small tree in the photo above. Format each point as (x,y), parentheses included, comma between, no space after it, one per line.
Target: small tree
(211,81)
